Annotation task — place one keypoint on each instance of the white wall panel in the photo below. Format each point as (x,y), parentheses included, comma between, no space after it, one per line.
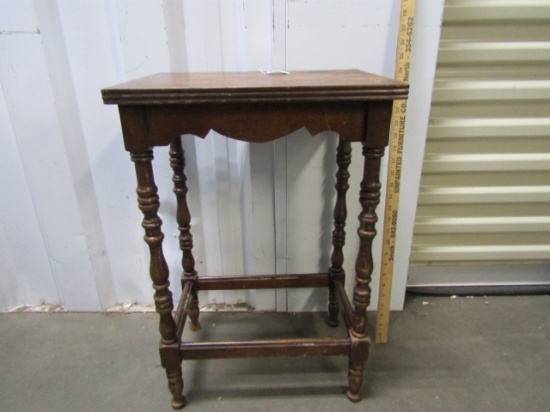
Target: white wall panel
(91,63)
(70,232)
(25,65)
(341,34)
(26,275)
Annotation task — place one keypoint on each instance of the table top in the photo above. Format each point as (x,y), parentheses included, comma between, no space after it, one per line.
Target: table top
(182,88)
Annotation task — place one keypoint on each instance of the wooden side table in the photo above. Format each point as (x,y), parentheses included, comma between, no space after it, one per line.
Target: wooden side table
(254,107)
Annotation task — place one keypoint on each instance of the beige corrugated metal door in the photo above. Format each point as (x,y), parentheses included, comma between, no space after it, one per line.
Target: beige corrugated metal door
(484,205)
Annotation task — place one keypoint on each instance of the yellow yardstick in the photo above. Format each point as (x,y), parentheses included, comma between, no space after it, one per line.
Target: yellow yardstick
(397,133)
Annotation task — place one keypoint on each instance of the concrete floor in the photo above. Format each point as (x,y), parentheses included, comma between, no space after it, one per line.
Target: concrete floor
(462,354)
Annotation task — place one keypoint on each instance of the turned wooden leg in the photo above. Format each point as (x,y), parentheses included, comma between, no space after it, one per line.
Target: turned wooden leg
(177,162)
(171,362)
(355,378)
(337,274)
(175,385)
(369,198)
(148,201)
(332,303)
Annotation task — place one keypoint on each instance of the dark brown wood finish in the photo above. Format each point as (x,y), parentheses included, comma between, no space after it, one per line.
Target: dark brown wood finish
(183,217)
(313,280)
(148,201)
(266,348)
(254,107)
(183,308)
(369,198)
(337,274)
(218,88)
(344,305)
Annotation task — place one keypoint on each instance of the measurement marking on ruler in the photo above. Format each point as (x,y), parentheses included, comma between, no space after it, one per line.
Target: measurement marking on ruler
(393,186)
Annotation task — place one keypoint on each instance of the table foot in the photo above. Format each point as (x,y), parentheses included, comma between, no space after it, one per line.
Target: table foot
(354,397)
(355,379)
(179,404)
(175,385)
